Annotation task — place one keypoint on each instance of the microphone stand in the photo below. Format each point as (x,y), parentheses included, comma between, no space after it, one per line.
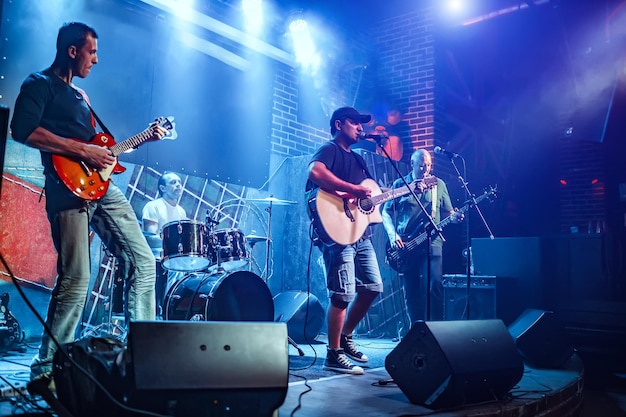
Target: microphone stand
(472,198)
(431,222)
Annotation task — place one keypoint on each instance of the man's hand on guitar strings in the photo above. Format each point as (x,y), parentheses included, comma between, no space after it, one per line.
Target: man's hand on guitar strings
(98,157)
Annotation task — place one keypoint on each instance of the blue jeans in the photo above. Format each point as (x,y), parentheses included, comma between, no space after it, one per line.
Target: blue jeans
(115,222)
(351,269)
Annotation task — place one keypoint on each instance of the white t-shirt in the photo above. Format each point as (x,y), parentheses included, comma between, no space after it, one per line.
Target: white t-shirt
(162,212)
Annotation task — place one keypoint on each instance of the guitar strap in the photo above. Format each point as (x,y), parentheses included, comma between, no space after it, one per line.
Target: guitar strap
(95,116)
(104,128)
(434,201)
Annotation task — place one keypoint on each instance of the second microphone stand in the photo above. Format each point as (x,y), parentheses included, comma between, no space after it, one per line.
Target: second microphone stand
(472,200)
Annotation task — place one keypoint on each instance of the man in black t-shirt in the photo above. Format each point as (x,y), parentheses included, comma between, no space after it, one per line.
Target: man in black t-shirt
(353,276)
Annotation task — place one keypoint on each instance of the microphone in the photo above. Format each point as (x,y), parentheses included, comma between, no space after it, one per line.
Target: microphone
(440,151)
(376,136)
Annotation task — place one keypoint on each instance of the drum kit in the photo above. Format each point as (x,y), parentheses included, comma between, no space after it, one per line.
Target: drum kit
(216,265)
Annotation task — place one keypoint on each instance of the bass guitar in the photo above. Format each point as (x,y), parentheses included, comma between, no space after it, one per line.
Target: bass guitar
(397,257)
(91,184)
(342,218)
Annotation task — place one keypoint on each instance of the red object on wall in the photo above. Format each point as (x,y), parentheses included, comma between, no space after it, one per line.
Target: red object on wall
(25,239)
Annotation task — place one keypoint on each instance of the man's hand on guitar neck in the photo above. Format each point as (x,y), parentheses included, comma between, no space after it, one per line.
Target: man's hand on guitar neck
(158,131)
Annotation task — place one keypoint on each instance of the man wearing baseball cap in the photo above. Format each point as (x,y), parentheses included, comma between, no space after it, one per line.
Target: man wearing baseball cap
(353,276)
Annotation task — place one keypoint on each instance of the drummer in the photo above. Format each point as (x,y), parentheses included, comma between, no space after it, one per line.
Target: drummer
(156,214)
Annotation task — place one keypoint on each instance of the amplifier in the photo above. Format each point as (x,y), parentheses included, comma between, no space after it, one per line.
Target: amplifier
(482,297)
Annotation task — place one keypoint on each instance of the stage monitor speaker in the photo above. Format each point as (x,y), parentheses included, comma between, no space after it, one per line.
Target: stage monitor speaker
(302,312)
(442,364)
(185,368)
(541,339)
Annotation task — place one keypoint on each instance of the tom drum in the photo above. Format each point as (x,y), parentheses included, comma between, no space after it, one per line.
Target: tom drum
(184,246)
(230,246)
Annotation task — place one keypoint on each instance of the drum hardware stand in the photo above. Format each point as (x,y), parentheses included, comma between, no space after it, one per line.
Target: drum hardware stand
(210,224)
(295,345)
(267,264)
(269,242)
(111,326)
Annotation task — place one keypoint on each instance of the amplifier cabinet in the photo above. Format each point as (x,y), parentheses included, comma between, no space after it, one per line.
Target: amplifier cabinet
(482,297)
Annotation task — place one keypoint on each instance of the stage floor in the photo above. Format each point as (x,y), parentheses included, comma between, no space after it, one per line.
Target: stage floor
(313,392)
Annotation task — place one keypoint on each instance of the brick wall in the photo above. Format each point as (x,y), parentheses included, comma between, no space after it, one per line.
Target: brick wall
(290,137)
(401,52)
(406,50)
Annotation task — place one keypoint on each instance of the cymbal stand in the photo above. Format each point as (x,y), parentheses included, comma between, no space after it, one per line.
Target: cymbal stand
(267,264)
(214,241)
(269,241)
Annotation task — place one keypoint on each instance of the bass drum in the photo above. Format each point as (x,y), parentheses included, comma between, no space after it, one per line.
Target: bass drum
(229,296)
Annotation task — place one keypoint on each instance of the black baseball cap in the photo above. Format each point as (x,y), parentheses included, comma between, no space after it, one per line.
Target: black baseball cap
(349,113)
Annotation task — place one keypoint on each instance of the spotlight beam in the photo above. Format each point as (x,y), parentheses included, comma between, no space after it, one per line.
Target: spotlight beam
(215,51)
(225,30)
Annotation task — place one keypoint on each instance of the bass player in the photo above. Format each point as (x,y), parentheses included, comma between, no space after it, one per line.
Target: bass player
(403,219)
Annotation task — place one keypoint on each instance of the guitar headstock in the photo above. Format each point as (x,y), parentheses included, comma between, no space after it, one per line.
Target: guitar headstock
(430,181)
(489,193)
(167,123)
(424,184)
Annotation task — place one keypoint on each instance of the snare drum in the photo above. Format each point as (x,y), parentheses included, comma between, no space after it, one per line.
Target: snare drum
(230,246)
(185,246)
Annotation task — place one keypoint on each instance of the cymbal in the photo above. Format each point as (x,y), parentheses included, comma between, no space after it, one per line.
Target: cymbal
(252,239)
(272,200)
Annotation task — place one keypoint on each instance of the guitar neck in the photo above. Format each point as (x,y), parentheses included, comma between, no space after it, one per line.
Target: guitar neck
(390,195)
(445,222)
(130,143)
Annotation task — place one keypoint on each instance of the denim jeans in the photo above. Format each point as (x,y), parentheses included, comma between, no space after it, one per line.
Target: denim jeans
(115,222)
(352,268)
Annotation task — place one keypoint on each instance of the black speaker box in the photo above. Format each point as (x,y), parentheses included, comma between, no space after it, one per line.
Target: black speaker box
(442,364)
(195,368)
(302,312)
(541,339)
(482,297)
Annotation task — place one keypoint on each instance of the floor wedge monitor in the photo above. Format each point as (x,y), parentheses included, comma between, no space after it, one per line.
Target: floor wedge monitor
(541,339)
(302,312)
(194,368)
(441,364)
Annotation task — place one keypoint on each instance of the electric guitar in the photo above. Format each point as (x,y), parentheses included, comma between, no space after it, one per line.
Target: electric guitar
(10,332)
(396,257)
(342,218)
(91,184)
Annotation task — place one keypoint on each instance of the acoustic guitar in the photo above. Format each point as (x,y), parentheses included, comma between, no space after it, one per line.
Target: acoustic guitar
(342,218)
